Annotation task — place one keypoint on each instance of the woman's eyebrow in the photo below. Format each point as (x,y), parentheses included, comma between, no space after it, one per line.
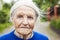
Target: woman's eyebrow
(20,13)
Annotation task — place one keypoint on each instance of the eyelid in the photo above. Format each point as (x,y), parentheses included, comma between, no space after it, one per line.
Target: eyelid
(30,17)
(19,16)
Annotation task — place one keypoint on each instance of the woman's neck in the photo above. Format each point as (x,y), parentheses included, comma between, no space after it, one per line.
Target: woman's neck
(23,36)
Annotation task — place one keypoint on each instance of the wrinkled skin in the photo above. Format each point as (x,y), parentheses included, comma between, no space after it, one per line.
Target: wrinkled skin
(24,20)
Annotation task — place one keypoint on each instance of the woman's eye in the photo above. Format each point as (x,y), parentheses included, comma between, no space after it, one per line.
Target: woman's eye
(30,17)
(20,16)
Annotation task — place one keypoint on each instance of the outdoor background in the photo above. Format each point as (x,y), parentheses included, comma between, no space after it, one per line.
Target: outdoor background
(49,27)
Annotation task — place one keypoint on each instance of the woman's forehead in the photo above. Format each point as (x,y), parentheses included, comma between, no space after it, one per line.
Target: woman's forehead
(24,9)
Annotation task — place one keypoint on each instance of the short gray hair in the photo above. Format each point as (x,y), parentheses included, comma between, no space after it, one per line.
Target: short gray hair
(24,2)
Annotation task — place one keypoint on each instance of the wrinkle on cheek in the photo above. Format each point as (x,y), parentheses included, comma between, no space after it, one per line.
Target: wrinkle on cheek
(16,23)
(32,24)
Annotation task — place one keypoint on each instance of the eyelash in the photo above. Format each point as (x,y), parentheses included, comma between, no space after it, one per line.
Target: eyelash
(29,17)
(20,16)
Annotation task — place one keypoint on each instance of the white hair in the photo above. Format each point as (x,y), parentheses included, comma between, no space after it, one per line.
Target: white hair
(24,2)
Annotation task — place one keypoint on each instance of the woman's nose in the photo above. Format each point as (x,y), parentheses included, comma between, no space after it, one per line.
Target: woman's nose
(25,21)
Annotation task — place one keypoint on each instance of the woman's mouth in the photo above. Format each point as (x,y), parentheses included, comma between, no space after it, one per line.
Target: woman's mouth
(25,27)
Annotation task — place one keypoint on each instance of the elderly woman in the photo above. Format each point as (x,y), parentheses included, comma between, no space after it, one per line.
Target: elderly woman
(23,16)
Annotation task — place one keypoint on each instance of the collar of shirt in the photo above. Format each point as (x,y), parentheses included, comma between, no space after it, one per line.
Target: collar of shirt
(20,36)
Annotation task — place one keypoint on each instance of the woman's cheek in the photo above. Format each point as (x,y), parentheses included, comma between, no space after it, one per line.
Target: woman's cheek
(32,23)
(16,23)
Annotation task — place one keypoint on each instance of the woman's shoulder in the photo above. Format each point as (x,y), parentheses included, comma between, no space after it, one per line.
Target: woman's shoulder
(40,36)
(6,36)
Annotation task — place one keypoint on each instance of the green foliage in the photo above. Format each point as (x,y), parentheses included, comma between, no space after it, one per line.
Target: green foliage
(4,26)
(55,23)
(4,13)
(43,19)
(44,4)
(3,16)
(38,2)
(6,6)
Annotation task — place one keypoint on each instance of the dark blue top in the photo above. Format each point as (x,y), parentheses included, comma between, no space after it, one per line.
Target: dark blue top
(12,36)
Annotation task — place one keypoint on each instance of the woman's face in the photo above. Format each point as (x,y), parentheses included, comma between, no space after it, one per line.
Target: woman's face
(24,20)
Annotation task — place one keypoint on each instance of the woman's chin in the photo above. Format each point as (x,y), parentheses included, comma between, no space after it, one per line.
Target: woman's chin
(24,31)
